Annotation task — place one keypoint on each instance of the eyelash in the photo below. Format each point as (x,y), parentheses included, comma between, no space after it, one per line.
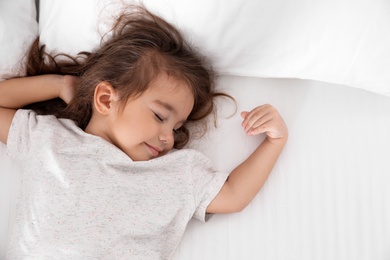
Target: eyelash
(159,118)
(162,121)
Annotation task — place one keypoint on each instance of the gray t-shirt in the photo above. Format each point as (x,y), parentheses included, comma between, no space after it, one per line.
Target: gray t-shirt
(83,198)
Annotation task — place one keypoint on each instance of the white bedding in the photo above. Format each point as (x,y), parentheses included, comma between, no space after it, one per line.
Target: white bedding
(338,41)
(327,197)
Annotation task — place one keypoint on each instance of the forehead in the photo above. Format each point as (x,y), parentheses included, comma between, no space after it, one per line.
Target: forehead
(165,85)
(170,92)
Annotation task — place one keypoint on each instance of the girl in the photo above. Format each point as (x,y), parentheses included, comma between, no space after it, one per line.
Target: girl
(101,178)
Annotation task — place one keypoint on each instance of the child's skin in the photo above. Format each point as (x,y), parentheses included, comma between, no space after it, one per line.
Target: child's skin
(143,127)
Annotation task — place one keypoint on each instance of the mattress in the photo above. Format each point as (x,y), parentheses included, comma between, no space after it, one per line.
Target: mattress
(326,198)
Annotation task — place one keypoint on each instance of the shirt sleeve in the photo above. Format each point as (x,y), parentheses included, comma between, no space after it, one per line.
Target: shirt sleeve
(207,183)
(19,136)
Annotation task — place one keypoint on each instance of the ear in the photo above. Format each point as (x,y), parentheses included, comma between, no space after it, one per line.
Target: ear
(104,95)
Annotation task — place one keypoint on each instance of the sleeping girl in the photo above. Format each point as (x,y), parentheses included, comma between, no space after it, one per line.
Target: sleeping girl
(104,172)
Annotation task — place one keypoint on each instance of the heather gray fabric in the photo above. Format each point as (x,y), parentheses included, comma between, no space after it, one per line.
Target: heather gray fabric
(83,198)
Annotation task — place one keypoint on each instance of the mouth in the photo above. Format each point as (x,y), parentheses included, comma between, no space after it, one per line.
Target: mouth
(154,150)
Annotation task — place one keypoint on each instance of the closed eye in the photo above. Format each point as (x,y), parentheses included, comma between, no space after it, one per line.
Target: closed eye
(162,120)
(159,117)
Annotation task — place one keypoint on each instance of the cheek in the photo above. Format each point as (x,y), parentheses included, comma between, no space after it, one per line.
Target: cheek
(170,144)
(126,130)
(142,129)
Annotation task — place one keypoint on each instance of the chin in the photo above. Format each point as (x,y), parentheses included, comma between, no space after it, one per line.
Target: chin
(141,158)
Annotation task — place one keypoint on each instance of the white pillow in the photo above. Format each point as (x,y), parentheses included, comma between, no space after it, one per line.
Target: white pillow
(338,41)
(18,27)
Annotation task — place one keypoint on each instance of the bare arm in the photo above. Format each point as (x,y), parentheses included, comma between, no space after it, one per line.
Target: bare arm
(246,180)
(19,92)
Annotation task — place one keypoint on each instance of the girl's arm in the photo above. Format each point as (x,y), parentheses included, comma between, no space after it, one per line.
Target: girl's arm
(246,180)
(19,92)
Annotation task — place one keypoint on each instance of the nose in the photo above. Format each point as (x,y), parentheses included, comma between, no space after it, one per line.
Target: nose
(166,136)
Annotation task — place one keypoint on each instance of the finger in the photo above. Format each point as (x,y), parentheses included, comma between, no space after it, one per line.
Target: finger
(260,128)
(244,114)
(263,128)
(264,119)
(247,115)
(264,107)
(253,117)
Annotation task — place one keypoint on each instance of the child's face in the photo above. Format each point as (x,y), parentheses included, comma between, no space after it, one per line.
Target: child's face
(145,128)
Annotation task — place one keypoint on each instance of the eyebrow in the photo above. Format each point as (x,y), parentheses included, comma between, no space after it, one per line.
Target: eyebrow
(166,106)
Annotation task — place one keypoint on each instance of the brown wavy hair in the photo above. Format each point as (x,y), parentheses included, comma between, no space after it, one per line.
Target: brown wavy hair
(140,47)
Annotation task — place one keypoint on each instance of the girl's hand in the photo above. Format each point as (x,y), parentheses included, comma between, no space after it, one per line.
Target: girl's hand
(265,119)
(68,87)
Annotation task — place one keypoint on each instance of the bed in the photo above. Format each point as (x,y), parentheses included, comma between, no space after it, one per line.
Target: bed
(325,65)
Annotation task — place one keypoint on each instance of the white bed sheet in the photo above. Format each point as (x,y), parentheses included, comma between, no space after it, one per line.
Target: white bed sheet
(327,197)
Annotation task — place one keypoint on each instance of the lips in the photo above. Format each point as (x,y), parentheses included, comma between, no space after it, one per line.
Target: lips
(154,150)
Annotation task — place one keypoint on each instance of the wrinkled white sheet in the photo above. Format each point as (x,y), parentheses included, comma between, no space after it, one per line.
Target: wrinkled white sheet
(328,196)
